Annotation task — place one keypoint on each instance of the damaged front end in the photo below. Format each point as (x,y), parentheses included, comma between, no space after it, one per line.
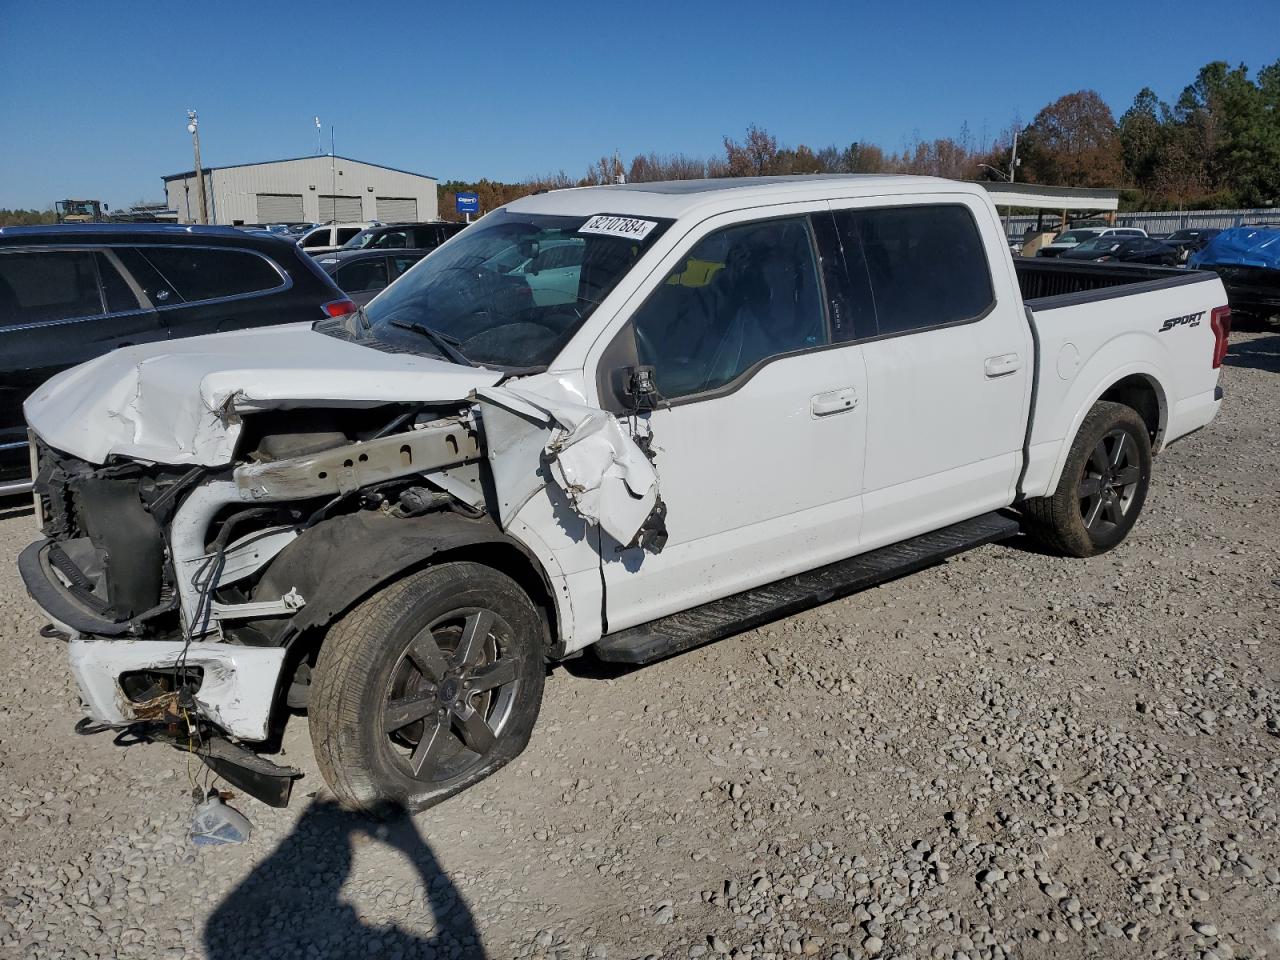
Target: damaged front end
(186,591)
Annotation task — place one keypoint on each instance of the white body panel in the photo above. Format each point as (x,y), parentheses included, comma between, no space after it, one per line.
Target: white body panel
(756,486)
(761,481)
(947,409)
(237,693)
(1087,348)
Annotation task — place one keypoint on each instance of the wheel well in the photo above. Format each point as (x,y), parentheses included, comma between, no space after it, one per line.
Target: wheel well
(1143,395)
(509,560)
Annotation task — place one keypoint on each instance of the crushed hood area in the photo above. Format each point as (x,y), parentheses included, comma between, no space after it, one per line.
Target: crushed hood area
(179,401)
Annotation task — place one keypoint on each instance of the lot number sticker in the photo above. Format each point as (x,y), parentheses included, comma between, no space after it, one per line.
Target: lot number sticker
(628,228)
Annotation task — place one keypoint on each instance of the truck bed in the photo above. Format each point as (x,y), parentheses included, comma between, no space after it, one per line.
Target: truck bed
(1048,282)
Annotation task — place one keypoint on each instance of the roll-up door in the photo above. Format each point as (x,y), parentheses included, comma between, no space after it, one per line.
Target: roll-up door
(279,208)
(398,209)
(339,209)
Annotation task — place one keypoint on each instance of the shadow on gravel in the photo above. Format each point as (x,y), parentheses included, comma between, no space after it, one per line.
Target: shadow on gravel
(291,904)
(1263,354)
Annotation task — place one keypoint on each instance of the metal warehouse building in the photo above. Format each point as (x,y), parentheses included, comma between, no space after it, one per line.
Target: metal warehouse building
(319,189)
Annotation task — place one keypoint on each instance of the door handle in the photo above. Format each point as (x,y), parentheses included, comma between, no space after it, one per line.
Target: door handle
(1003,365)
(833,401)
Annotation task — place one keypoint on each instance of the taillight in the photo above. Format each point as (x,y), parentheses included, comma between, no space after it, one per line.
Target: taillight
(1220,320)
(338,308)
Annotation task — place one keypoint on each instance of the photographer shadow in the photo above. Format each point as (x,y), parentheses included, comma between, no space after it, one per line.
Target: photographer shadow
(291,904)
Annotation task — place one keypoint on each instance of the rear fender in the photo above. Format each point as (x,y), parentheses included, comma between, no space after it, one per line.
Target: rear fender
(1088,389)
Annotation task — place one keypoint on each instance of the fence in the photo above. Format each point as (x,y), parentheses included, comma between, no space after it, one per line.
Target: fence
(1167,221)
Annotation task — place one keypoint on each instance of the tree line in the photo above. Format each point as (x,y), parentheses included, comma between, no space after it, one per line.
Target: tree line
(1216,145)
(25,218)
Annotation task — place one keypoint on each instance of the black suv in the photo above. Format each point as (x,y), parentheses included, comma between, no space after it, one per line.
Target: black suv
(71,293)
(404,236)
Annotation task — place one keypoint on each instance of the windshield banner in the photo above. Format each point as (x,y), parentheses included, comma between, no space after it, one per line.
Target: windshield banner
(628,228)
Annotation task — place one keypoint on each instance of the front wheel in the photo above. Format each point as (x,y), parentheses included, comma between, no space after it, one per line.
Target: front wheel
(426,688)
(1103,485)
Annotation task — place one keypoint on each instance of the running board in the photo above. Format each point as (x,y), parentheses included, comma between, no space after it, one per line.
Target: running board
(682,631)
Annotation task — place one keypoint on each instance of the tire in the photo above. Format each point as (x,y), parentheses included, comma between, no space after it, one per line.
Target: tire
(442,671)
(1103,485)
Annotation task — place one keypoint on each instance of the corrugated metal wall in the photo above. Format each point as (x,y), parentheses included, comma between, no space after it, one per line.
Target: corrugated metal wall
(234,191)
(1167,221)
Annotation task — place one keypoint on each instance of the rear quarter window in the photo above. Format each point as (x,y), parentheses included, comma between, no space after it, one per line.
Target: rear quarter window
(200,273)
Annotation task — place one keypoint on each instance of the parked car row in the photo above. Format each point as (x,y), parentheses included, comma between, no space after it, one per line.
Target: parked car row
(1070,239)
(1124,249)
(71,293)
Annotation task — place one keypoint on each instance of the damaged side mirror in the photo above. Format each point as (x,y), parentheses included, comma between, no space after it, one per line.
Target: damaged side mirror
(641,388)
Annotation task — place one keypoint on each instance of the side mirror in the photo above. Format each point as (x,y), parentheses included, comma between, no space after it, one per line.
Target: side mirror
(642,388)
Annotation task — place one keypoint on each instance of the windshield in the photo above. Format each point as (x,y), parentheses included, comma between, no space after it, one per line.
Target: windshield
(1075,236)
(1098,245)
(512,289)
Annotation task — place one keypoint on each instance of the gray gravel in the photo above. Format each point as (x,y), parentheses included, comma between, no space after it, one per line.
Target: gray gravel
(1011,755)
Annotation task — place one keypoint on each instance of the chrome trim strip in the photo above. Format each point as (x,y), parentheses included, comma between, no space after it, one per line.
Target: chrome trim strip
(14,488)
(44,324)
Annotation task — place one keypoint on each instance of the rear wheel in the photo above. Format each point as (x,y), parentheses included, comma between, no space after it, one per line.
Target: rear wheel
(1103,485)
(427,687)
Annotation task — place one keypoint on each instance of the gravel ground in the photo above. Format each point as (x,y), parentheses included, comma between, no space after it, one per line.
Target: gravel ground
(1009,755)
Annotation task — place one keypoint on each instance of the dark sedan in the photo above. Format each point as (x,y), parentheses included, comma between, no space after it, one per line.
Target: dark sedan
(71,293)
(1187,242)
(363,274)
(1124,250)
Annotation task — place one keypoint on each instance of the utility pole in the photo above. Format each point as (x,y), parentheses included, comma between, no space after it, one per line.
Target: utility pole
(193,128)
(1013,158)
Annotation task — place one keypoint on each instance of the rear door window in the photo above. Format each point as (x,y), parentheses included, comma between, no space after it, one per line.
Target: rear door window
(200,273)
(924,265)
(318,238)
(346,233)
(370,274)
(401,264)
(39,287)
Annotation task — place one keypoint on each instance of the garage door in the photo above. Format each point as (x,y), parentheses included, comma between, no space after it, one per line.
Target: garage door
(398,209)
(340,209)
(279,208)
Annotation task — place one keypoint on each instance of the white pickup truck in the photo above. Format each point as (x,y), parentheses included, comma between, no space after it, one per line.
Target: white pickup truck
(758,394)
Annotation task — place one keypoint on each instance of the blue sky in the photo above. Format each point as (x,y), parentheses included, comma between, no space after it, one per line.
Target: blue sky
(93,96)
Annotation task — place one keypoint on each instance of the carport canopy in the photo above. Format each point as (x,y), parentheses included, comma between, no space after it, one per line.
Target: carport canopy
(1087,201)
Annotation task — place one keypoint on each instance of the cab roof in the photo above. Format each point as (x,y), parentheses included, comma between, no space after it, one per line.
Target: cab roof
(679,198)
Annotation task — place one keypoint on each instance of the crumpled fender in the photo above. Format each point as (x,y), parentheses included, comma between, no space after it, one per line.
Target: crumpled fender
(607,477)
(342,560)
